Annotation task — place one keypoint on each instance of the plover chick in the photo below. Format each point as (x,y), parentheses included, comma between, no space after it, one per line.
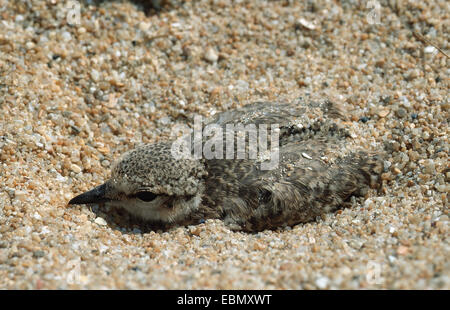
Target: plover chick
(317,171)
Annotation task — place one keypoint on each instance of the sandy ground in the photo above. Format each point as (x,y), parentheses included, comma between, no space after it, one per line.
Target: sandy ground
(82,83)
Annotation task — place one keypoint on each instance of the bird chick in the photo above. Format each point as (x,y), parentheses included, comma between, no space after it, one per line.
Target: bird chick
(317,172)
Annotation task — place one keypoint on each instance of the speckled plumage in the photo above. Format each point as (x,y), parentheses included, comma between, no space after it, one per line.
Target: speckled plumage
(318,171)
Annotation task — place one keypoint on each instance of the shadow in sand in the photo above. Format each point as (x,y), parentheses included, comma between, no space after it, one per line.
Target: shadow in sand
(149,7)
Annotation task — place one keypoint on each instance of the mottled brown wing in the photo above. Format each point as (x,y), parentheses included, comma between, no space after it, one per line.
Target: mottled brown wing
(297,120)
(310,179)
(303,186)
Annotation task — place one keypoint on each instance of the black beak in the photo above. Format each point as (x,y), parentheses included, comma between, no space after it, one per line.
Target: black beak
(95,195)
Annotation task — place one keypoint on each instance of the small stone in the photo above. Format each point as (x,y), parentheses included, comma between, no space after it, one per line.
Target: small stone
(29,45)
(322,282)
(136,231)
(165,120)
(306,156)
(386,176)
(401,112)
(36,238)
(211,55)
(100,221)
(429,49)
(66,36)
(195,230)
(143,26)
(405,102)
(442,188)
(259,246)
(364,119)
(20,195)
(439,224)
(413,155)
(412,74)
(286,266)
(106,163)
(429,166)
(305,24)
(75,168)
(38,254)
(443,218)
(402,250)
(103,150)
(383,112)
(95,75)
(301,83)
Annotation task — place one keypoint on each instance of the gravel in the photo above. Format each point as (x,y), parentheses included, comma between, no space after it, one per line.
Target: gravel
(77,90)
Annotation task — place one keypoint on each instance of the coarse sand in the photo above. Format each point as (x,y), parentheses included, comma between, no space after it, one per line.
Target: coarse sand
(83,81)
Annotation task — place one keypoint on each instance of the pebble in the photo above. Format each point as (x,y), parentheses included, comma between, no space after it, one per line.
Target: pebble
(144,26)
(364,119)
(211,55)
(430,49)
(401,112)
(412,74)
(402,250)
(306,156)
(95,75)
(195,230)
(429,167)
(322,282)
(100,221)
(443,188)
(306,24)
(20,195)
(30,45)
(66,36)
(383,112)
(75,168)
(396,170)
(38,254)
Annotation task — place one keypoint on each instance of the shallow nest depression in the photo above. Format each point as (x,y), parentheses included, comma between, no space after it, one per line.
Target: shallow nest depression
(78,88)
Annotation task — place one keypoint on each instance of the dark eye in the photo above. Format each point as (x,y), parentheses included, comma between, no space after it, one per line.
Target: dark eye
(146,196)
